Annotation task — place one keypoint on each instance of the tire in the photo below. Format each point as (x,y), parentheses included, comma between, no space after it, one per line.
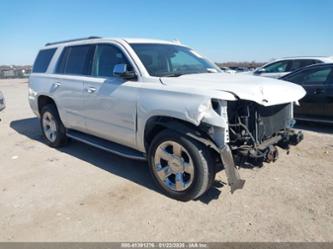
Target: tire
(167,171)
(50,122)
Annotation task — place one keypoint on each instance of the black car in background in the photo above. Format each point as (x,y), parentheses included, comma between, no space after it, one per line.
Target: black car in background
(317,80)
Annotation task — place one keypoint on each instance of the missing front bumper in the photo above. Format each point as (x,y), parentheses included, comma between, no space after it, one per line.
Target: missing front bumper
(265,152)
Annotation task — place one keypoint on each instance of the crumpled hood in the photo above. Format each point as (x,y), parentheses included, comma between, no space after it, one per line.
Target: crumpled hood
(264,91)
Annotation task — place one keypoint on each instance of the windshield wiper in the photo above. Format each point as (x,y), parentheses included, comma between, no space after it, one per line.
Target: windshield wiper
(183,73)
(172,75)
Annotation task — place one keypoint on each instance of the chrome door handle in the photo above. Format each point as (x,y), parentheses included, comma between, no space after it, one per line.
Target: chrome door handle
(91,89)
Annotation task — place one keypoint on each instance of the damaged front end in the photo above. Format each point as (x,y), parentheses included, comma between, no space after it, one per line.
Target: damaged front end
(248,134)
(256,131)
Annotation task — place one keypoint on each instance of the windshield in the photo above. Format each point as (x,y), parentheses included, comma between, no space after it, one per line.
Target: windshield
(172,60)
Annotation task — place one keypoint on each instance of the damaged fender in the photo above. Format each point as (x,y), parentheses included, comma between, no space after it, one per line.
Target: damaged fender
(195,108)
(219,132)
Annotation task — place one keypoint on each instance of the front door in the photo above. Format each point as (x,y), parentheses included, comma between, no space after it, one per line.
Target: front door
(314,82)
(110,102)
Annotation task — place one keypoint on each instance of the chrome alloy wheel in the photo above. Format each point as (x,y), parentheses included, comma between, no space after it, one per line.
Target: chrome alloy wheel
(173,166)
(49,126)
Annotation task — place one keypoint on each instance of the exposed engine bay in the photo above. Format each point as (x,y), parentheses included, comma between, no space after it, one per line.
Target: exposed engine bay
(255,131)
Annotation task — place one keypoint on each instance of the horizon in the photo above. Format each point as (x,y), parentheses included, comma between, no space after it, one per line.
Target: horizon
(238,31)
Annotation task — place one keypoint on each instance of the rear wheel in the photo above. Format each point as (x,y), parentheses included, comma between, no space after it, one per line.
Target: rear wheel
(182,167)
(52,127)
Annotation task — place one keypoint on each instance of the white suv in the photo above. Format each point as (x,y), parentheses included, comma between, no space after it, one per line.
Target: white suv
(281,67)
(163,102)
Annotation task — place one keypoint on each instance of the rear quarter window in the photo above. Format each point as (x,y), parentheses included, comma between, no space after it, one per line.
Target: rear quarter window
(43,60)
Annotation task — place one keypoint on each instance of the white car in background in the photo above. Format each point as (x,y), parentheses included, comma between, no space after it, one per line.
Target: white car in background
(281,67)
(228,70)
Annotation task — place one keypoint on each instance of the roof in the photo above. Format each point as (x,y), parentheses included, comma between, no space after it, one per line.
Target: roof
(90,39)
(318,65)
(144,40)
(324,58)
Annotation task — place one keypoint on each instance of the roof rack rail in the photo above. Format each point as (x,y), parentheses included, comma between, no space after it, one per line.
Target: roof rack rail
(304,56)
(72,40)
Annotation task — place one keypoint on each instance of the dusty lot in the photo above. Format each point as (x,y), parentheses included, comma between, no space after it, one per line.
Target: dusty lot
(80,193)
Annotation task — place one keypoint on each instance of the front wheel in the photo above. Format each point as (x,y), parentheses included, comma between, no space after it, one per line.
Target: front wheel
(182,167)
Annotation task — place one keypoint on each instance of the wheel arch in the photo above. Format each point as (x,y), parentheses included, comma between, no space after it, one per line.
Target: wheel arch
(156,124)
(44,100)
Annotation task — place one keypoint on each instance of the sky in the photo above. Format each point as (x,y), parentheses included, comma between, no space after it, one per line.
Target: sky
(232,30)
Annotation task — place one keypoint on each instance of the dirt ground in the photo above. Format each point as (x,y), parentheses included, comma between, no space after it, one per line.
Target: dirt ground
(80,193)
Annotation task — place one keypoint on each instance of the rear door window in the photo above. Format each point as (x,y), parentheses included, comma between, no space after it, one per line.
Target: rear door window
(43,60)
(62,61)
(76,60)
(297,64)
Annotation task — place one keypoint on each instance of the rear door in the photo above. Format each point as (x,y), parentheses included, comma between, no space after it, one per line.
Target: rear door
(110,102)
(71,71)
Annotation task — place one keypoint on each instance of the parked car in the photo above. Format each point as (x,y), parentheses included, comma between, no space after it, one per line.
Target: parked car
(317,80)
(2,101)
(234,69)
(228,70)
(239,69)
(281,67)
(162,102)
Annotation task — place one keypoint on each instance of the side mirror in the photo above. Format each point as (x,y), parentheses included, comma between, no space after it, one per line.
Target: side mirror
(120,70)
(260,71)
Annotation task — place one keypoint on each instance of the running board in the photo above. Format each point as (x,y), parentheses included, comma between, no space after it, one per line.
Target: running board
(106,145)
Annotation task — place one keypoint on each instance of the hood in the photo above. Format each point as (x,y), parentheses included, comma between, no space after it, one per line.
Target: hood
(262,90)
